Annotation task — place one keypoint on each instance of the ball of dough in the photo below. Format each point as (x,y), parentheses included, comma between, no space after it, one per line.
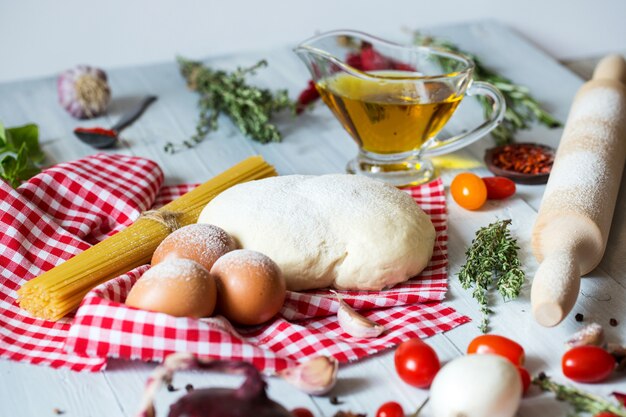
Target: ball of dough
(178,287)
(342,231)
(251,288)
(203,243)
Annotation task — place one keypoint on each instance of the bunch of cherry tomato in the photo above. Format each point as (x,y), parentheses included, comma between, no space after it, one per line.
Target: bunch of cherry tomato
(417,364)
(470,191)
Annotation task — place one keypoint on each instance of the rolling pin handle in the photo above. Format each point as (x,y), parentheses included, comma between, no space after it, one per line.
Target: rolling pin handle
(611,67)
(555,289)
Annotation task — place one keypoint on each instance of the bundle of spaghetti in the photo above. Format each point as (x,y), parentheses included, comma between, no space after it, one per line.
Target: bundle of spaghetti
(60,290)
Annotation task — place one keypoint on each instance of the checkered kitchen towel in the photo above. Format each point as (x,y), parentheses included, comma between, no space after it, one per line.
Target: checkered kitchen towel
(70,206)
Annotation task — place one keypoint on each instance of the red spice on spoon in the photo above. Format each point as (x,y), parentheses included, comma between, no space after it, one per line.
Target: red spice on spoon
(96,131)
(102,138)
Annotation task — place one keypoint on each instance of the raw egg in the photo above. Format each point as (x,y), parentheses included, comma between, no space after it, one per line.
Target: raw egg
(178,287)
(251,288)
(203,243)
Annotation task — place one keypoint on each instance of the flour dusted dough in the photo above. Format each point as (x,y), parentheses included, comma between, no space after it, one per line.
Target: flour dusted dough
(342,231)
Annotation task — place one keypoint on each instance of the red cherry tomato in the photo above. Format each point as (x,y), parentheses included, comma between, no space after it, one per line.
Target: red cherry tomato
(523,373)
(499,188)
(605,414)
(587,364)
(469,191)
(416,363)
(390,409)
(302,412)
(498,345)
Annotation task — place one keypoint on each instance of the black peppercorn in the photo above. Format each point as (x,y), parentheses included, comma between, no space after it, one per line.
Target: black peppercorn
(613,322)
(335,401)
(579,317)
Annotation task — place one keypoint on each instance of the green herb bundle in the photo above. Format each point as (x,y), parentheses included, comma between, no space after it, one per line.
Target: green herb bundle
(583,402)
(492,260)
(20,154)
(250,108)
(521,108)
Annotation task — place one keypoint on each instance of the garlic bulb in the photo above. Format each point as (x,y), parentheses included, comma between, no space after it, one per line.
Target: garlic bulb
(84,91)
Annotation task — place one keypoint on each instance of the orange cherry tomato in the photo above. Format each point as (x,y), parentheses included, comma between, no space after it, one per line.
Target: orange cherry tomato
(523,373)
(499,188)
(587,364)
(469,191)
(498,345)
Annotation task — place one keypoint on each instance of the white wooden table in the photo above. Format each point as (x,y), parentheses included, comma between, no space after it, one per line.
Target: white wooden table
(316,144)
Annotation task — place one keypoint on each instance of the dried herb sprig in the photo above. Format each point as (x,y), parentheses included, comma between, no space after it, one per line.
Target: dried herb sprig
(522,109)
(249,107)
(492,258)
(581,401)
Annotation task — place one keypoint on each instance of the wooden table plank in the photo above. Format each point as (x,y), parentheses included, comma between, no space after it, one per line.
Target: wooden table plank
(316,144)
(30,390)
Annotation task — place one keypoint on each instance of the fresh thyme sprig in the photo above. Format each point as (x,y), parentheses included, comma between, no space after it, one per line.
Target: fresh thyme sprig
(522,109)
(250,108)
(581,401)
(491,257)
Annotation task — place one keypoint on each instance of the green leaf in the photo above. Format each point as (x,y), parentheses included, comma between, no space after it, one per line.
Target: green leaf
(3,137)
(7,153)
(28,135)
(29,171)
(20,154)
(9,168)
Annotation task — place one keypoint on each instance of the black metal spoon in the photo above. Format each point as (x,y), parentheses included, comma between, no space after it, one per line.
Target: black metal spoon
(102,138)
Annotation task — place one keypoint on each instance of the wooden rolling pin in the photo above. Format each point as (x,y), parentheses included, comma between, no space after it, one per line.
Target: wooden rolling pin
(572,227)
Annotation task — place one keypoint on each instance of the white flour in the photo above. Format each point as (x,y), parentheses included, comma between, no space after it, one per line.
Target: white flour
(603,103)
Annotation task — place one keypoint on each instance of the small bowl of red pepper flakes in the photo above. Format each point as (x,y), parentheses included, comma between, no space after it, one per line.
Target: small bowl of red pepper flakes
(524,163)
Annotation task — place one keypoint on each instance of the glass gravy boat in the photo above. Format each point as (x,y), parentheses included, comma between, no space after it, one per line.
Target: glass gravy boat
(394,99)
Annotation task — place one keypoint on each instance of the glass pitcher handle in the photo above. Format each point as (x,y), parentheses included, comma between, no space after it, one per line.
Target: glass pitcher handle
(498,107)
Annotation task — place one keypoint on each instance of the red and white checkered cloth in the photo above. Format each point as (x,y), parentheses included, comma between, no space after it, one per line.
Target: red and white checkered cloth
(63,210)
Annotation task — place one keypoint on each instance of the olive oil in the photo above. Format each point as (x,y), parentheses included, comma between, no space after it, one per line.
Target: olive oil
(388,116)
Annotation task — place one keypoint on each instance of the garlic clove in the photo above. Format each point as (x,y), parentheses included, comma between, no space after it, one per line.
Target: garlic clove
(590,335)
(316,376)
(355,324)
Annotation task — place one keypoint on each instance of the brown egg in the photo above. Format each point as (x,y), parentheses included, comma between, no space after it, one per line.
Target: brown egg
(251,289)
(203,243)
(178,287)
